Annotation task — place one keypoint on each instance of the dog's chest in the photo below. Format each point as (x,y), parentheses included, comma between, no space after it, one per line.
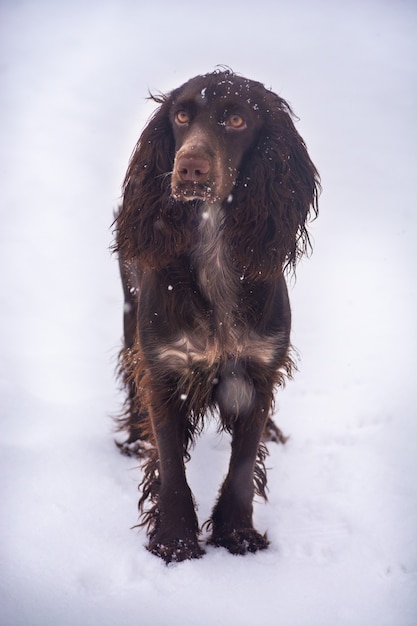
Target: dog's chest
(215,275)
(228,307)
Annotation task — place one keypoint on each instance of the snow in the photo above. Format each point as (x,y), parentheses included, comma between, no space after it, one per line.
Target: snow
(342,507)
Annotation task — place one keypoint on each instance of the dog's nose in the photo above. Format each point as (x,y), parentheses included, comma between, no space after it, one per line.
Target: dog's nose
(192,168)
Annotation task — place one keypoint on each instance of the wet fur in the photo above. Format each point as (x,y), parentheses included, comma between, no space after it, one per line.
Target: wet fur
(212,215)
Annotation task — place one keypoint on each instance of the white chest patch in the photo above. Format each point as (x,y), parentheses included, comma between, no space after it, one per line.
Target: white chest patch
(215,274)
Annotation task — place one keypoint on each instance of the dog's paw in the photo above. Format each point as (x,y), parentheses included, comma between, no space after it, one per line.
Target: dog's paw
(240,541)
(176,550)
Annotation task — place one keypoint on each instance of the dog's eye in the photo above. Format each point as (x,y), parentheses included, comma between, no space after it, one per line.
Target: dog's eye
(235,121)
(182,117)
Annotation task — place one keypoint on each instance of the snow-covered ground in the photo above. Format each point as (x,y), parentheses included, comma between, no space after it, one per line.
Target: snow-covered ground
(342,511)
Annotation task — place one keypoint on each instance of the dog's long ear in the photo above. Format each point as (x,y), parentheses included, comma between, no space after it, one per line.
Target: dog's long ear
(150,226)
(274,196)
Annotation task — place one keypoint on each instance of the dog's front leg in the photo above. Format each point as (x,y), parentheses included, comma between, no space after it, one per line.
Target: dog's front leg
(244,409)
(174,532)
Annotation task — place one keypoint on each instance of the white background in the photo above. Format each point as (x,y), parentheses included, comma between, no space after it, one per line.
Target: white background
(342,502)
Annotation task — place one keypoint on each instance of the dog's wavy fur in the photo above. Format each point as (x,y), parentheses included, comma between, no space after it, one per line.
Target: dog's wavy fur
(207,318)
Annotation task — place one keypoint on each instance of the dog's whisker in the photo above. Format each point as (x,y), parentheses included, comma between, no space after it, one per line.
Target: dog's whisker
(164,175)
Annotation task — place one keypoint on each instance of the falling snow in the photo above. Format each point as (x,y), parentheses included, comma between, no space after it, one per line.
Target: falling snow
(341,516)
